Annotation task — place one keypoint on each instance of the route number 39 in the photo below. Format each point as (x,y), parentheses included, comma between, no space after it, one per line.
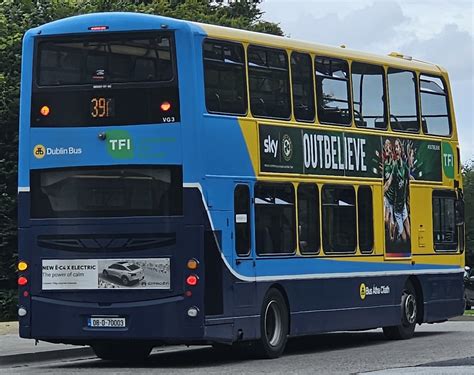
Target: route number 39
(101,107)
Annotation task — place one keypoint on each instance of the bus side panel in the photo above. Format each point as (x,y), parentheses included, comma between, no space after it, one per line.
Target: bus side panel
(443,296)
(323,305)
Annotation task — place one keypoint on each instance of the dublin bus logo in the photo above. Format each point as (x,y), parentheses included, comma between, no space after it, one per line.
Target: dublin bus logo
(39,151)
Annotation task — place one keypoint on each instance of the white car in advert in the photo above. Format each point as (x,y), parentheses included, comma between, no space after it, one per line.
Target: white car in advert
(126,272)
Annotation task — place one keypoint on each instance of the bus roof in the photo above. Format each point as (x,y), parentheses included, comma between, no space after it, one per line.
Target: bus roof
(220,32)
(125,21)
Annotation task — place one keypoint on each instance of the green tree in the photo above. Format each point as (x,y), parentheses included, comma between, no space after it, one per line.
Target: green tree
(468,185)
(16,17)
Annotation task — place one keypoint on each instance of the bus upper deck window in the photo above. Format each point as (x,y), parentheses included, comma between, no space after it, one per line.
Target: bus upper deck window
(434,106)
(303,90)
(332,91)
(269,82)
(368,92)
(224,77)
(104,59)
(107,79)
(403,104)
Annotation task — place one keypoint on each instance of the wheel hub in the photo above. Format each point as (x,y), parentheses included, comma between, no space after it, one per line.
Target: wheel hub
(410,309)
(273,323)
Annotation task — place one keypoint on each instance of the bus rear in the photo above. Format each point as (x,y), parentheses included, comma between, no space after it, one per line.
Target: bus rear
(110,245)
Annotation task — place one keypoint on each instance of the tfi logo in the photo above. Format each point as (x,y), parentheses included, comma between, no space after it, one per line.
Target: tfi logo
(448,160)
(270,146)
(119,144)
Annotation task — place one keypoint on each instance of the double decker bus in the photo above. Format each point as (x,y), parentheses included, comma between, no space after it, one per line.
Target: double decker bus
(189,183)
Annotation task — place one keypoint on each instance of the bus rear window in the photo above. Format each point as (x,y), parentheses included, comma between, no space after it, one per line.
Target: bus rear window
(106,192)
(105,59)
(107,79)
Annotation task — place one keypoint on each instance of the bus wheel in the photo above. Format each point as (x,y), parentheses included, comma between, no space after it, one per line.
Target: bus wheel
(120,351)
(273,326)
(467,306)
(409,316)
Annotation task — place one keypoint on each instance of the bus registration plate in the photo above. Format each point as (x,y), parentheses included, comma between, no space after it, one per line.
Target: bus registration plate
(105,322)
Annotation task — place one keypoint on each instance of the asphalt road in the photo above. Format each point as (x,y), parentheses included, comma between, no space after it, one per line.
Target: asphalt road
(446,348)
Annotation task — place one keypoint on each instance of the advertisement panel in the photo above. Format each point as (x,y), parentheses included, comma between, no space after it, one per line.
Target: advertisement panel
(61,274)
(331,153)
(404,161)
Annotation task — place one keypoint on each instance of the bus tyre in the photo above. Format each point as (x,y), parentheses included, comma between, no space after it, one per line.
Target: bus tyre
(124,352)
(273,326)
(409,316)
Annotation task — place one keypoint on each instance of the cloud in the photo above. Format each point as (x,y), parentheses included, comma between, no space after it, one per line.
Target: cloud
(451,47)
(362,28)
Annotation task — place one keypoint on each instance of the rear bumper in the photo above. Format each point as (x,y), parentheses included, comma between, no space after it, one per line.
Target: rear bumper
(163,320)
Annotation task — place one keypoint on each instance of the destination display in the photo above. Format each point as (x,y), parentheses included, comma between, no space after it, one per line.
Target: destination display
(320,152)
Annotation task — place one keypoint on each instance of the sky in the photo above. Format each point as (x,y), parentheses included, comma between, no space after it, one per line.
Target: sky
(437,31)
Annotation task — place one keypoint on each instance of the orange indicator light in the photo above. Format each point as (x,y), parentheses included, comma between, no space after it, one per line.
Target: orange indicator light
(22,266)
(22,281)
(25,293)
(45,110)
(165,106)
(192,264)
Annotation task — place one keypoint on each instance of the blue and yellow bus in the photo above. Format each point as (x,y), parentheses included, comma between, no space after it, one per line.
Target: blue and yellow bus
(189,183)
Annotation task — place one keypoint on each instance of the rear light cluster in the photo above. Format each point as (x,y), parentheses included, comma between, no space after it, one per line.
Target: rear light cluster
(45,110)
(191,281)
(22,283)
(22,266)
(165,106)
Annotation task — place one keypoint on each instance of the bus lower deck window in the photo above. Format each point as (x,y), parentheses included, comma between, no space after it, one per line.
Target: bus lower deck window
(339,219)
(106,192)
(445,234)
(275,218)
